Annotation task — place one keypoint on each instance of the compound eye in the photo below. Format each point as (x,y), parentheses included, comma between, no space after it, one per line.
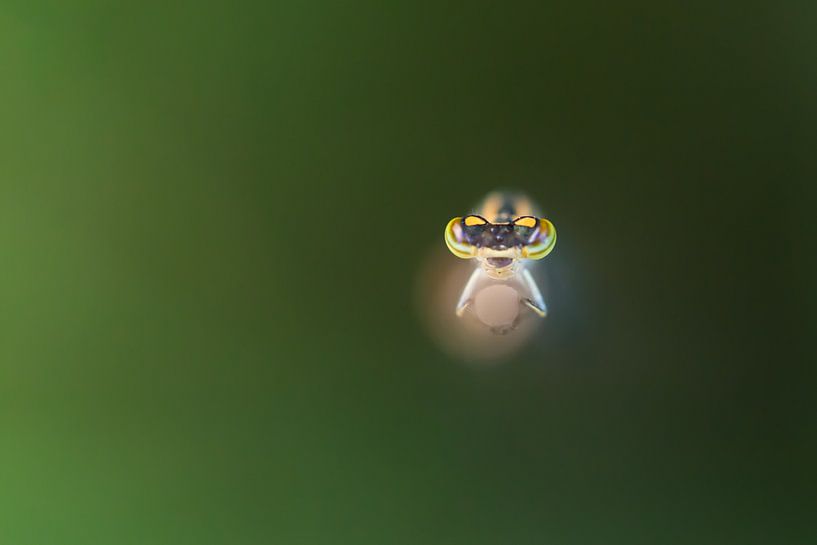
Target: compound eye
(474,220)
(455,240)
(543,242)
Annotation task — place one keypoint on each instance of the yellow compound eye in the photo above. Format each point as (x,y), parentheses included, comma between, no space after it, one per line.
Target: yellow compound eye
(453,235)
(526,221)
(471,221)
(544,243)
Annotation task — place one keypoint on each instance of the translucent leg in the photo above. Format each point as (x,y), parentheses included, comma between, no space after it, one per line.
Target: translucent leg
(535,302)
(467,296)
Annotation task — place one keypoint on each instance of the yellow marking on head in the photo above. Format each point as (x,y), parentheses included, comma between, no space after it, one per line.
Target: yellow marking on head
(463,250)
(529,221)
(471,221)
(544,244)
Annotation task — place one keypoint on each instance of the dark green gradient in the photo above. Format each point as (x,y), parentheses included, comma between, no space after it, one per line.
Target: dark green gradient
(212,217)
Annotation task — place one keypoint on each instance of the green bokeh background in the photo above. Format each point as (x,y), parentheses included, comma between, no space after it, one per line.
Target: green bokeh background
(212,217)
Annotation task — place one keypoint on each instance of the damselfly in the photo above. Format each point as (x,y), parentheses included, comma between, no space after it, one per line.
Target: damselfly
(503,234)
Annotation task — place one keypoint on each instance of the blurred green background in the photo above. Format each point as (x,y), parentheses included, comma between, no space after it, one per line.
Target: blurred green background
(212,217)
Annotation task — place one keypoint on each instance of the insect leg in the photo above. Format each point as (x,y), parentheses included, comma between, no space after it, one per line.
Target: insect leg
(535,302)
(467,296)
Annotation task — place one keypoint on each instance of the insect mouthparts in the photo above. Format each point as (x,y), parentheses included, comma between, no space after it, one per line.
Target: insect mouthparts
(499,262)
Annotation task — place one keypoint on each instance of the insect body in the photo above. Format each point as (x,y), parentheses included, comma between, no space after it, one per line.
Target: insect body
(503,234)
